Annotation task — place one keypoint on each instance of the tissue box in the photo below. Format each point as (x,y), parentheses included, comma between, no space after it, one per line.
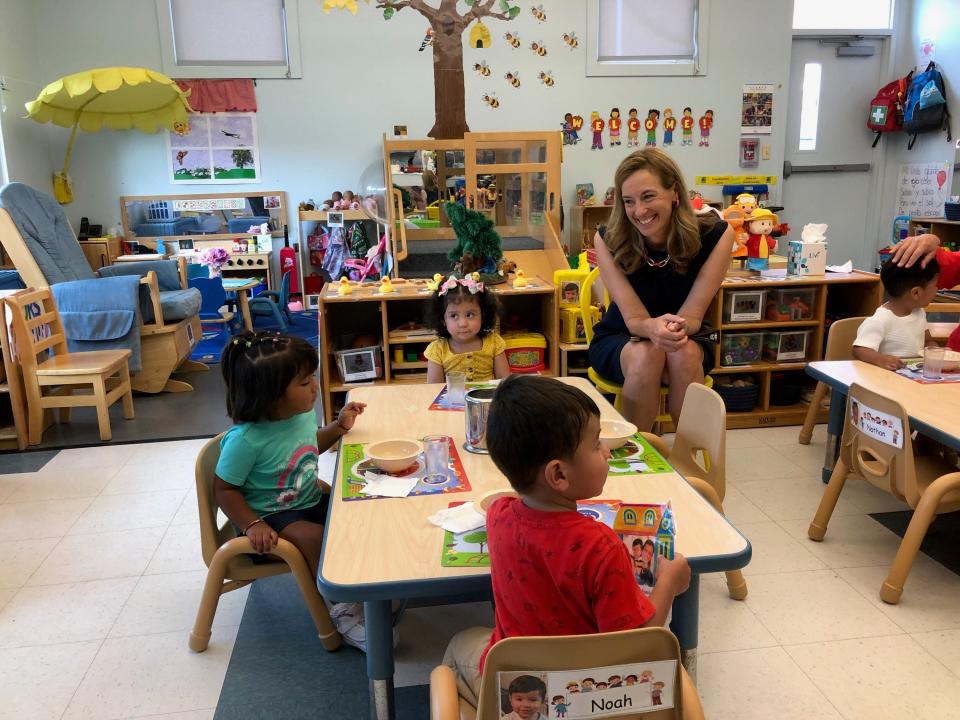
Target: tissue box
(806,258)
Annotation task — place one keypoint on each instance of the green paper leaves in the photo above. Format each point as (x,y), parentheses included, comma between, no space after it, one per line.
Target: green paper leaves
(388,13)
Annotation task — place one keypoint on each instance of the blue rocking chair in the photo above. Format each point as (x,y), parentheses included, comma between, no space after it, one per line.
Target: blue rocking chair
(273,304)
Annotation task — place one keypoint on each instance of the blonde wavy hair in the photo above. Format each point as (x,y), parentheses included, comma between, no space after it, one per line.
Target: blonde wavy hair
(624,240)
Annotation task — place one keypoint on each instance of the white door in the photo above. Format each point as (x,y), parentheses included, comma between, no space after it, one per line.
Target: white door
(832,181)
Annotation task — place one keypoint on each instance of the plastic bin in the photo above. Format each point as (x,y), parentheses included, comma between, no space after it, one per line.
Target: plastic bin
(786,345)
(743,305)
(525,351)
(791,303)
(740,348)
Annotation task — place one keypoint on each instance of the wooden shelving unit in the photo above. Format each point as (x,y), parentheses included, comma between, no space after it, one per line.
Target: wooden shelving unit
(376,319)
(947,230)
(573,358)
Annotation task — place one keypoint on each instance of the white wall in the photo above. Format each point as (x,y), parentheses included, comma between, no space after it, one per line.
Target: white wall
(939,19)
(26,144)
(362,75)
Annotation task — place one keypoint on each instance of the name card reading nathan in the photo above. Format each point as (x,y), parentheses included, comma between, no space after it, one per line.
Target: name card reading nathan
(878,425)
(600,692)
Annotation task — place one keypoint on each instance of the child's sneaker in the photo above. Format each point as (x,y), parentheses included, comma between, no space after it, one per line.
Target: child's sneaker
(349,621)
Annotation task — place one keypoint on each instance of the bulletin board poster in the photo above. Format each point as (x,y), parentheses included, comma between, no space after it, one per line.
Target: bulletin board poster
(218,148)
(756,113)
(922,188)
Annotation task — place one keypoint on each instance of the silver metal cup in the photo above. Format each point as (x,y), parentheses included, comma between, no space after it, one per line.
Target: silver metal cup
(476,412)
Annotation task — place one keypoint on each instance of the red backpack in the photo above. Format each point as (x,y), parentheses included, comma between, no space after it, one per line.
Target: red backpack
(886,108)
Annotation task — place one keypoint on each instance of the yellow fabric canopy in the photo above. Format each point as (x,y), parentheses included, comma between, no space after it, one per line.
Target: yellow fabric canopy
(119,97)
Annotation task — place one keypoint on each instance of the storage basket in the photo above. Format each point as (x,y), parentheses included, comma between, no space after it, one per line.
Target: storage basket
(785,389)
(739,399)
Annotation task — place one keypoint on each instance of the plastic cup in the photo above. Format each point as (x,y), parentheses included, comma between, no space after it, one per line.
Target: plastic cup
(933,363)
(456,387)
(436,455)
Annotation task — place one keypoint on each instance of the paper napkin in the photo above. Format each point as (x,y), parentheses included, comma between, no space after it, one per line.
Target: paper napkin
(387,485)
(459,519)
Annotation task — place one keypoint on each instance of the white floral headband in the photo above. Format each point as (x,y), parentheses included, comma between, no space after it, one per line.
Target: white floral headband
(471,283)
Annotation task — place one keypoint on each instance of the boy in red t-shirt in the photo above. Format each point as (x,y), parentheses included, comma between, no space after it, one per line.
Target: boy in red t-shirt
(554,571)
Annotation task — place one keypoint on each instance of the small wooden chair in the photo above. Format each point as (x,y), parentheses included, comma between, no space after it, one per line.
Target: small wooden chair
(699,453)
(566,652)
(928,484)
(839,347)
(230,563)
(213,300)
(51,373)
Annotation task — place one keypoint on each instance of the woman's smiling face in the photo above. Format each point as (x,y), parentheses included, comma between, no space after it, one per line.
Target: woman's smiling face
(648,205)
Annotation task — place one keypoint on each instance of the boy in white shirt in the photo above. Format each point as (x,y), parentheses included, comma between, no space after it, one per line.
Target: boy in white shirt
(898,329)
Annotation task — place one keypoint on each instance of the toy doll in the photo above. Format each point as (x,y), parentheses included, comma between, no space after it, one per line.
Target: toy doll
(350,201)
(334,202)
(633,129)
(686,127)
(650,125)
(706,122)
(760,242)
(669,125)
(615,123)
(596,126)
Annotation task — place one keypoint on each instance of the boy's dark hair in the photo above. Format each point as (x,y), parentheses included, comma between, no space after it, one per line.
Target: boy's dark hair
(528,683)
(637,541)
(486,299)
(258,367)
(898,281)
(534,420)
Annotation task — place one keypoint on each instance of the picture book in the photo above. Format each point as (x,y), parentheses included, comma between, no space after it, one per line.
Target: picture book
(635,457)
(469,549)
(649,532)
(354,463)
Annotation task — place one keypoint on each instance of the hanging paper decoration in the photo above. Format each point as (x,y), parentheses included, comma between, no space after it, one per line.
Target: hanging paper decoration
(633,128)
(513,78)
(571,127)
(539,13)
(706,122)
(482,68)
(546,78)
(570,39)
(480,36)
(491,100)
(669,125)
(615,123)
(427,40)
(513,39)
(596,126)
(686,127)
(650,125)
(538,48)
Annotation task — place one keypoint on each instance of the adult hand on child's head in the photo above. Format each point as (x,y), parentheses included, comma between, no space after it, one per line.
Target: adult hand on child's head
(890,362)
(668,332)
(919,247)
(676,572)
(262,537)
(348,415)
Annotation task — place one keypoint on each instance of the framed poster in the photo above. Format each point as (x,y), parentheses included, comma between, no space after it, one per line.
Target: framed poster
(218,148)
(756,113)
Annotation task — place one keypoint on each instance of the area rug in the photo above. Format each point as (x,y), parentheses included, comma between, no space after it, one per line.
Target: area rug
(216,336)
(941,541)
(278,668)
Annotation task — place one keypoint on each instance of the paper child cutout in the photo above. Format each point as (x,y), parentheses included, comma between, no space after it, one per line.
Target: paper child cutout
(615,123)
(686,127)
(650,125)
(669,125)
(596,126)
(706,122)
(633,129)
(571,124)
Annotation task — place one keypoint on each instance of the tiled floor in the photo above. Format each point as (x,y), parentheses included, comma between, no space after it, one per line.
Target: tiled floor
(101,573)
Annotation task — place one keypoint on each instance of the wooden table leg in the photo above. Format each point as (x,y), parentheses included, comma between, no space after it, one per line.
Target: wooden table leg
(245,310)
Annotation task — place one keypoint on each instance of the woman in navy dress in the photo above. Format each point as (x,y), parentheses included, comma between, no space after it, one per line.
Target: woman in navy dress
(662,264)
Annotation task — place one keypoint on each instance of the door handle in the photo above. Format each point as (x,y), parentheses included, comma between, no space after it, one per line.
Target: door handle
(789,168)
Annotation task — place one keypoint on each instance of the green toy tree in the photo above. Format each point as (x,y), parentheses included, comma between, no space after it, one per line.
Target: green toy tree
(447,27)
(479,247)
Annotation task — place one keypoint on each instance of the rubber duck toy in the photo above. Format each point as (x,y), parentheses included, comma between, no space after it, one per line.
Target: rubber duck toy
(520,280)
(385,286)
(433,284)
(344,287)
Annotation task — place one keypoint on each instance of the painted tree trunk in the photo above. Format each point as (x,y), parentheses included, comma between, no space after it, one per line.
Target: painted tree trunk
(450,121)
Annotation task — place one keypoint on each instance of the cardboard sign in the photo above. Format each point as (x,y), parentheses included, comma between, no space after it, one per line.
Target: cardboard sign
(878,425)
(609,691)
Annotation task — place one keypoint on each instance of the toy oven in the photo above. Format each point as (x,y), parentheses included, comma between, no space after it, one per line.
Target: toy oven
(359,364)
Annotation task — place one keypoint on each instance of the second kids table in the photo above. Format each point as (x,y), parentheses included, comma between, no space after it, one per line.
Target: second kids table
(379,550)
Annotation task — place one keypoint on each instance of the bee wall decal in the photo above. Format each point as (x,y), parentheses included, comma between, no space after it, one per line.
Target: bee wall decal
(482,68)
(491,100)
(539,13)
(513,78)
(570,39)
(538,48)
(546,77)
(513,39)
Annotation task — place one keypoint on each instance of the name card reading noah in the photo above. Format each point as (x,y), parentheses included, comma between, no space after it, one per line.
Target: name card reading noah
(609,691)
(878,425)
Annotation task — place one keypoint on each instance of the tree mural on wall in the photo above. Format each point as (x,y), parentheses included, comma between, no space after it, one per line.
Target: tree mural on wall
(447,25)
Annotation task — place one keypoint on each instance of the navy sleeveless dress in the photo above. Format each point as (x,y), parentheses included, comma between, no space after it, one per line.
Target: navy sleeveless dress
(662,291)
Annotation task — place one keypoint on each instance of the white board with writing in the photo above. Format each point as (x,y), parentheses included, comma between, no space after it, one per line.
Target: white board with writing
(922,188)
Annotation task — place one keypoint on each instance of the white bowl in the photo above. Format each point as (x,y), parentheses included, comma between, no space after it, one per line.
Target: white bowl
(615,433)
(394,455)
(951,361)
